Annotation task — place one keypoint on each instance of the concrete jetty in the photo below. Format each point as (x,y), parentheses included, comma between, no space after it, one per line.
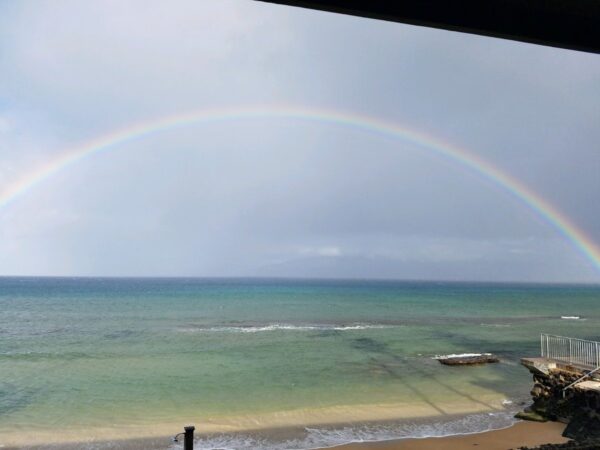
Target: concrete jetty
(566,386)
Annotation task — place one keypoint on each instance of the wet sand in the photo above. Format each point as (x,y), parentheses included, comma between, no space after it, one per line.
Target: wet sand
(279,423)
(521,434)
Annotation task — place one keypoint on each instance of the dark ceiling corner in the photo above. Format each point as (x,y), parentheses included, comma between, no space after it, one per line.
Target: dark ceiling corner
(570,24)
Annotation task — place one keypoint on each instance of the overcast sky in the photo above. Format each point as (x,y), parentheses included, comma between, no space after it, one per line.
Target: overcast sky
(278,197)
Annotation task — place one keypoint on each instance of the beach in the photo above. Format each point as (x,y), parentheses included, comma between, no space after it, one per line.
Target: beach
(295,429)
(323,362)
(528,434)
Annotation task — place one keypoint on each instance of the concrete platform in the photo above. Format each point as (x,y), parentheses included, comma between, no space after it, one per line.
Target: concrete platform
(588,386)
(545,365)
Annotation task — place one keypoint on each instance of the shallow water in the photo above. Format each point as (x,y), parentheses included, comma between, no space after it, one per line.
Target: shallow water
(93,356)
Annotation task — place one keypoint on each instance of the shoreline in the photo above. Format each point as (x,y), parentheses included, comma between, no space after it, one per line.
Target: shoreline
(520,434)
(396,418)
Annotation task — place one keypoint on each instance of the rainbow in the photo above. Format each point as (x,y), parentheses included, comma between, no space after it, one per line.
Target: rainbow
(460,156)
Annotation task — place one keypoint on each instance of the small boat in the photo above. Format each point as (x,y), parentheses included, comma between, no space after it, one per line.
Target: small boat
(570,317)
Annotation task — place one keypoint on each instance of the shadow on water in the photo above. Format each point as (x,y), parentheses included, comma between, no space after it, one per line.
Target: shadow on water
(510,355)
(121,334)
(395,366)
(369,345)
(13,398)
(40,356)
(326,334)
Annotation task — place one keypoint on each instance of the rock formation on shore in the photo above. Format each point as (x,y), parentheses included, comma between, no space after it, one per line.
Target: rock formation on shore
(571,445)
(555,399)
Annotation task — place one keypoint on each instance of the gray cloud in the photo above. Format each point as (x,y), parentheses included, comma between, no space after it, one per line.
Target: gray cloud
(279,197)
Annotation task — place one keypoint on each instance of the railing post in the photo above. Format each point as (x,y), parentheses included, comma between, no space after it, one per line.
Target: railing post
(542,345)
(188,438)
(570,349)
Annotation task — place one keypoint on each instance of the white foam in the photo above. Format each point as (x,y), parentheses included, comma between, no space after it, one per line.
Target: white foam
(360,327)
(282,327)
(461,355)
(323,437)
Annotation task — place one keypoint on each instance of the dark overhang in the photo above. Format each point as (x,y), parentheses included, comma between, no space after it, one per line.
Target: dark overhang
(571,24)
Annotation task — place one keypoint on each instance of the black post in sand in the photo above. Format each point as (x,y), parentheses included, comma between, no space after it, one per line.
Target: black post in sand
(188,438)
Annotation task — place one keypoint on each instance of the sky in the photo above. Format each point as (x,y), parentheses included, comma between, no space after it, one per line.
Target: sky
(279,196)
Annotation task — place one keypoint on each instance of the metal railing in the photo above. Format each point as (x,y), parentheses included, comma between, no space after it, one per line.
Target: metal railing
(571,350)
(581,378)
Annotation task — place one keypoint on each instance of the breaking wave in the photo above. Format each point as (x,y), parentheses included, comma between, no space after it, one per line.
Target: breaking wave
(282,327)
(313,438)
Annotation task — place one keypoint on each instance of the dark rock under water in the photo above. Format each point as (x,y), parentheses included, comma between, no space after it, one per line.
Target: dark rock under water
(464,360)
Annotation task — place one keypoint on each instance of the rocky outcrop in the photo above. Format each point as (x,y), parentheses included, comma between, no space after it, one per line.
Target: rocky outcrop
(467,359)
(571,445)
(579,408)
(531,416)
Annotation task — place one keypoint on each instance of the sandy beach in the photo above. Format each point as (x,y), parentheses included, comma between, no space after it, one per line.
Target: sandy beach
(521,434)
(282,423)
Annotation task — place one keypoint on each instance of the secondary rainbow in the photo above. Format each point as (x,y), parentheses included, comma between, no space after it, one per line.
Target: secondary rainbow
(462,157)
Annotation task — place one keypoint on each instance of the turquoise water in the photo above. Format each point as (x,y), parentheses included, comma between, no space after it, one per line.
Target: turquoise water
(78,355)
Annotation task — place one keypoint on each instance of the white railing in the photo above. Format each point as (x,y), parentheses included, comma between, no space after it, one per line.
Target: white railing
(570,350)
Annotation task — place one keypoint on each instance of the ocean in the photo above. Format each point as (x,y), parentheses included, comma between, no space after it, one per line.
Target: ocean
(269,364)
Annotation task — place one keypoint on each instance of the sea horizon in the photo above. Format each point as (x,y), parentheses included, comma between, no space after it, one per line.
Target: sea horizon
(302,278)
